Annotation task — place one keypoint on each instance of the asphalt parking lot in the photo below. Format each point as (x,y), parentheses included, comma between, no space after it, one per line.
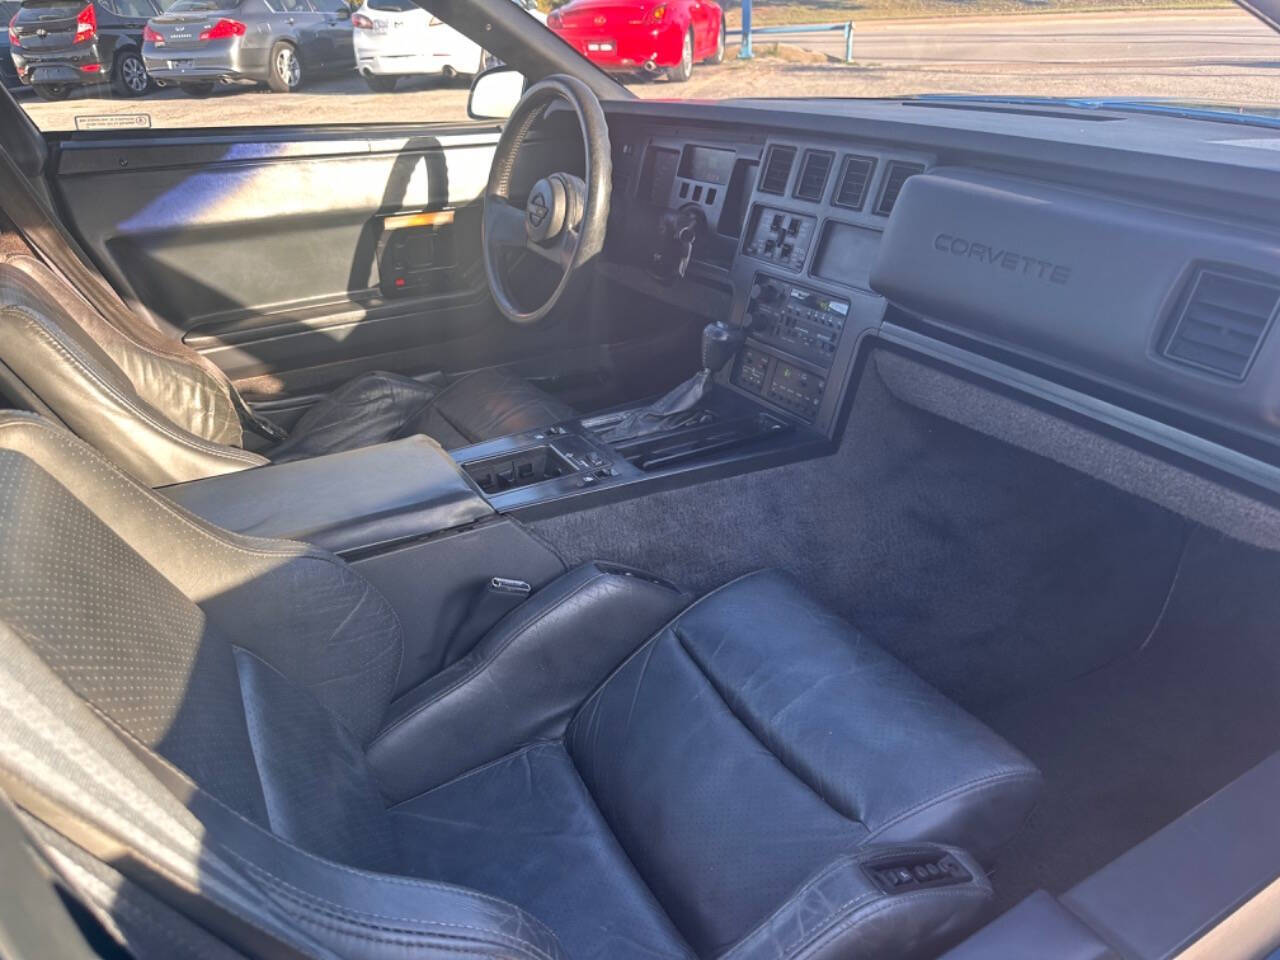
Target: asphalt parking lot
(1220,55)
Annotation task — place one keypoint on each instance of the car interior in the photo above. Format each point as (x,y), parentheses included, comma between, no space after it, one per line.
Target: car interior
(635,528)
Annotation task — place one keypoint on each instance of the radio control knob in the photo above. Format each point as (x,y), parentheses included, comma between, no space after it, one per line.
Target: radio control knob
(766,293)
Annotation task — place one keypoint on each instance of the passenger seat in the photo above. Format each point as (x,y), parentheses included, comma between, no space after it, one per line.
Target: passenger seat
(606,775)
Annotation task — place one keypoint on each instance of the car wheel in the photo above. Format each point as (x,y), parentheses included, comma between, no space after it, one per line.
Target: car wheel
(51,91)
(286,69)
(718,56)
(682,71)
(380,84)
(129,75)
(197,89)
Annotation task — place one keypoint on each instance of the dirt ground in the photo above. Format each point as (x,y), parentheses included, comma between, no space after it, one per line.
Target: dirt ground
(823,11)
(1209,56)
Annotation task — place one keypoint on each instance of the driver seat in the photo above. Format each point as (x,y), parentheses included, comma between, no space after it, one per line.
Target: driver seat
(168,415)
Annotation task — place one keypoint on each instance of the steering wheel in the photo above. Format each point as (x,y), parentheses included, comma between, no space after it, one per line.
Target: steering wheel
(564,219)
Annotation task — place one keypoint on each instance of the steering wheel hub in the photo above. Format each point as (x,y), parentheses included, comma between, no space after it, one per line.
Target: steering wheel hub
(546,210)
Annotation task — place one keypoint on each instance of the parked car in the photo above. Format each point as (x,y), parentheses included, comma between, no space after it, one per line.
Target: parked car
(200,43)
(398,38)
(652,36)
(8,72)
(59,45)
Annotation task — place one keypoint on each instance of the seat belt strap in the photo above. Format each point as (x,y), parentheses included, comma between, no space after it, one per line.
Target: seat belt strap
(268,429)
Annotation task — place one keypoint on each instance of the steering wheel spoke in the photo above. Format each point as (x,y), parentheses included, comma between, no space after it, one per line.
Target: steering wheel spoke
(561,250)
(504,224)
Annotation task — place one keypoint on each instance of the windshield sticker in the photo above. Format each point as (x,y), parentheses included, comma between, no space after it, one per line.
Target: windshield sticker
(121,121)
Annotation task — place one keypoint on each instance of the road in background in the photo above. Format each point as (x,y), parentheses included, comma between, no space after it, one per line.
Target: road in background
(1159,39)
(1221,55)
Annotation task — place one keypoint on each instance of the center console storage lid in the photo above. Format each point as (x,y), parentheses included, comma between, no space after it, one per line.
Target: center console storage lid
(344,501)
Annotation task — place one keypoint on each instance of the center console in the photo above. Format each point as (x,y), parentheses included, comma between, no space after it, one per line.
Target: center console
(796,332)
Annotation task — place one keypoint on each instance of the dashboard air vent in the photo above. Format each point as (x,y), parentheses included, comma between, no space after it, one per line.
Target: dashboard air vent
(1220,320)
(777,170)
(812,182)
(896,176)
(855,178)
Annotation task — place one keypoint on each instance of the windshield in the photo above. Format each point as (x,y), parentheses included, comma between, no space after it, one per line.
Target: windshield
(372,64)
(1212,54)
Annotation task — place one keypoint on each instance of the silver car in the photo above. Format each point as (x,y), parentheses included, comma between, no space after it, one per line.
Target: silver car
(199,43)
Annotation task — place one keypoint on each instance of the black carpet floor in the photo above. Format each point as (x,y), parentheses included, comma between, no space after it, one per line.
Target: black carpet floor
(1133,657)
(990,571)
(1129,748)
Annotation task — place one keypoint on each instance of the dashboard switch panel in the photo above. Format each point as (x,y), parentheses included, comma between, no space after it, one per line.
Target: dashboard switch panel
(795,389)
(780,237)
(800,321)
(754,369)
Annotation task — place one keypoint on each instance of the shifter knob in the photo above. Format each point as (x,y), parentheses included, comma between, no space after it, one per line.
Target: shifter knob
(719,343)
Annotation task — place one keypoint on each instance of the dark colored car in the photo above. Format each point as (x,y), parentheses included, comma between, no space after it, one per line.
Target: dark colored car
(8,72)
(58,45)
(199,43)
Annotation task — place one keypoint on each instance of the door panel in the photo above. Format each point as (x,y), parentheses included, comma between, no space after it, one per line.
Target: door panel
(272,253)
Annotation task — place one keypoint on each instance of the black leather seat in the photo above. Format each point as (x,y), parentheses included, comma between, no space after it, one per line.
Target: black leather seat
(606,775)
(166,414)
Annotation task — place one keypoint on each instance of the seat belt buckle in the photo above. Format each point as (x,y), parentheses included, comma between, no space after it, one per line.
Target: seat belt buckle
(514,588)
(491,602)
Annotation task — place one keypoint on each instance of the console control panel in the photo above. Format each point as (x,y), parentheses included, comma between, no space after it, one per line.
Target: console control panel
(780,237)
(800,321)
(780,381)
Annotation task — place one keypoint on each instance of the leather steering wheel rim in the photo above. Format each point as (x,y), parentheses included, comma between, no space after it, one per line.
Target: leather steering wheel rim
(565,218)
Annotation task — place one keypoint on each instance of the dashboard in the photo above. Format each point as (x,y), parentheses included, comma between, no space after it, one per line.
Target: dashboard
(1135,258)
(790,227)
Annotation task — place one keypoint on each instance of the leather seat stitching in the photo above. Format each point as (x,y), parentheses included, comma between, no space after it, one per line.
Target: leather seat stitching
(343,914)
(198,364)
(684,648)
(486,661)
(848,860)
(836,925)
(272,549)
(168,430)
(217,846)
(972,786)
(519,751)
(670,624)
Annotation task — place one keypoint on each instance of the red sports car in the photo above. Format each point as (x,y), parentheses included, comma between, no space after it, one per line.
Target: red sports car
(653,36)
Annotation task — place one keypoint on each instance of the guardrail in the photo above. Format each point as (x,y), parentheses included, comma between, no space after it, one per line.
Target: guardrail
(794,28)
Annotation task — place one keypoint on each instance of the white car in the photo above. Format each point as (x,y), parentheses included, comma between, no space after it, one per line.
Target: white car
(397,38)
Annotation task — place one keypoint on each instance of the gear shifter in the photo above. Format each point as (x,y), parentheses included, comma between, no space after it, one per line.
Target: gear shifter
(719,344)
